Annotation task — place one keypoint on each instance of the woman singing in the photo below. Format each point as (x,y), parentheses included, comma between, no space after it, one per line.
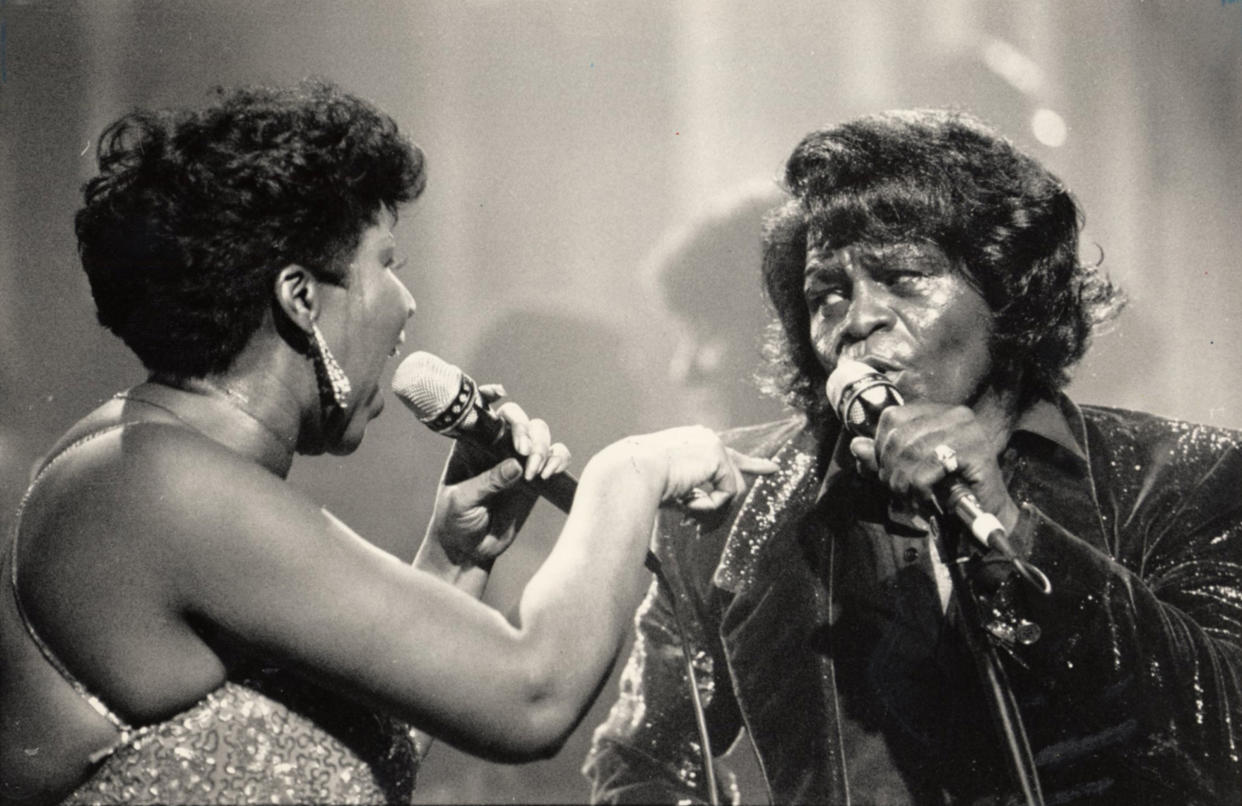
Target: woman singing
(178,623)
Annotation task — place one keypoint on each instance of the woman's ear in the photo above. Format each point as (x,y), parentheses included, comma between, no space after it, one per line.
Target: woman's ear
(297,295)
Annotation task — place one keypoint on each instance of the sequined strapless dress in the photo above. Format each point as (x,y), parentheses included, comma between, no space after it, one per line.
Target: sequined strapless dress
(264,736)
(268,738)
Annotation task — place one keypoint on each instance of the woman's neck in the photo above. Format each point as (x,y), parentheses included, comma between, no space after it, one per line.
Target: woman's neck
(261,424)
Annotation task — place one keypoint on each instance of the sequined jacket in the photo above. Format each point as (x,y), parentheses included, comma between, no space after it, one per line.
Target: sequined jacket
(1132,692)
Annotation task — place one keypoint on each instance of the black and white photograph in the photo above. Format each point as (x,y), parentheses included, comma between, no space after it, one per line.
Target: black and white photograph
(659,401)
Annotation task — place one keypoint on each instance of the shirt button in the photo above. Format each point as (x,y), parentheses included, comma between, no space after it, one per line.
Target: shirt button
(1027,632)
(910,555)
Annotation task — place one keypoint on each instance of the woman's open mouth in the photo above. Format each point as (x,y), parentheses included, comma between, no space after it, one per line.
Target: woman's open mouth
(396,348)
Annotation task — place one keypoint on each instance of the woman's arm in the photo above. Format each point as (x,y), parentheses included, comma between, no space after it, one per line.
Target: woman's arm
(269,569)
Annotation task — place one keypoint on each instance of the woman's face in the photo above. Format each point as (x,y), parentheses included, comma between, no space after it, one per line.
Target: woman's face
(363,323)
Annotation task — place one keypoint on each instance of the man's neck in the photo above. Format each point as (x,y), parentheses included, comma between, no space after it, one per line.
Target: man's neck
(997,411)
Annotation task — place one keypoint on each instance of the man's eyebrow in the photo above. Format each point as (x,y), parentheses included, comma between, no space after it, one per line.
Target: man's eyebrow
(814,267)
(824,263)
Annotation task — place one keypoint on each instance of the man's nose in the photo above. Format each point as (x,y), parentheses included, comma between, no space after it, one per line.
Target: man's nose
(868,311)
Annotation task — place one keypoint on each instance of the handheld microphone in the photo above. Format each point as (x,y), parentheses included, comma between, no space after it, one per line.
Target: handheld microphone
(447,401)
(859,394)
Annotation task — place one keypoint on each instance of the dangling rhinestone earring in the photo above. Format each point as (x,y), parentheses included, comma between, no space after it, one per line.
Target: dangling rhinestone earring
(333,384)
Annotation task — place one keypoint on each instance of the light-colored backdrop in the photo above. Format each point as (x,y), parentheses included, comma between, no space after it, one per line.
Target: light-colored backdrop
(565,138)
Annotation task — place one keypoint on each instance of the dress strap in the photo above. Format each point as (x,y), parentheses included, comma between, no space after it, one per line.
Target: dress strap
(125,729)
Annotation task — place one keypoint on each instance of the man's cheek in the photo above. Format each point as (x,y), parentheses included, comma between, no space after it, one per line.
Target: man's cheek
(822,339)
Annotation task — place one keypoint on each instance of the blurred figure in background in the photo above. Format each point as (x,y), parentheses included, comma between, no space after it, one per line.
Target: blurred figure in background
(706,273)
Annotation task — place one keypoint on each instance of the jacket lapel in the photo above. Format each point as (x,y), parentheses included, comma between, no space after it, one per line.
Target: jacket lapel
(777,614)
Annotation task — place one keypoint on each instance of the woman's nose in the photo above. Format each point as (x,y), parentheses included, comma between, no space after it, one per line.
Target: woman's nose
(410,304)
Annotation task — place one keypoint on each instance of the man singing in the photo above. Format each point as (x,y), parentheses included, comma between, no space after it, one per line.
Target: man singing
(841,613)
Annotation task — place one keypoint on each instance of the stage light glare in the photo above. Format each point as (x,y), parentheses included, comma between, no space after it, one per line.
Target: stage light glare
(1049,128)
(1012,65)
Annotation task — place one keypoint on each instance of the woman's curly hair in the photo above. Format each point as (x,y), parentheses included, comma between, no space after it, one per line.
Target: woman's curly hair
(194,212)
(1003,220)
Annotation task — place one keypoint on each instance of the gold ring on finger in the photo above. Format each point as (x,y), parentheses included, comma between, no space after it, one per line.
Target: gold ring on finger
(947,457)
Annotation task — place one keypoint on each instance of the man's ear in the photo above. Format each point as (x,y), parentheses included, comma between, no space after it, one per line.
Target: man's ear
(297,294)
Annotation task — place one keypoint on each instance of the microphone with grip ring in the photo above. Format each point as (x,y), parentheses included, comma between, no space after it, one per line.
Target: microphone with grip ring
(859,394)
(447,401)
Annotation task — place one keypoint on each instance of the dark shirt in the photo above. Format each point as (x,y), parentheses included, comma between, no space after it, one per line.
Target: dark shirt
(915,723)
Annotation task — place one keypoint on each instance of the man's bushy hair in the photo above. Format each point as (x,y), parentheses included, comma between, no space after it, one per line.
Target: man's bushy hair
(195,212)
(1007,223)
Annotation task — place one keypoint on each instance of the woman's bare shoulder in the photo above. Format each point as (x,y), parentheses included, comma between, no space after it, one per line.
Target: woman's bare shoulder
(136,487)
(152,456)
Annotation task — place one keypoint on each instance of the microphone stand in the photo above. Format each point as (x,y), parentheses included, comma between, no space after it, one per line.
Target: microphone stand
(1002,704)
(696,703)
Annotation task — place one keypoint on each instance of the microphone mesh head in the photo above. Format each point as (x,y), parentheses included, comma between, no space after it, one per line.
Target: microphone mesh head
(427,384)
(855,417)
(847,372)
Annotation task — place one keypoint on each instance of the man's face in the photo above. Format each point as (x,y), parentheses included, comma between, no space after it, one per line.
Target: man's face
(904,310)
